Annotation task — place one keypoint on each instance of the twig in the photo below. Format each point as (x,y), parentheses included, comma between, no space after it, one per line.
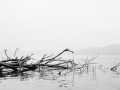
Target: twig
(63,52)
(16,51)
(52,59)
(6,54)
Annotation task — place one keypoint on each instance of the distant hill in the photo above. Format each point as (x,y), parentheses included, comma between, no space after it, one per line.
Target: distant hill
(113,49)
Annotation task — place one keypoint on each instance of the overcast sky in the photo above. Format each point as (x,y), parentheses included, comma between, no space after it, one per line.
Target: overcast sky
(57,24)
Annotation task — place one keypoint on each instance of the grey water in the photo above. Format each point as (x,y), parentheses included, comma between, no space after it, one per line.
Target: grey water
(104,80)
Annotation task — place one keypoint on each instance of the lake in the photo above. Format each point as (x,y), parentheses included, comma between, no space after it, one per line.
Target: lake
(102,79)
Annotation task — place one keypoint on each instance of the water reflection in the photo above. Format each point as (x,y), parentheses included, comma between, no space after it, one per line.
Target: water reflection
(97,73)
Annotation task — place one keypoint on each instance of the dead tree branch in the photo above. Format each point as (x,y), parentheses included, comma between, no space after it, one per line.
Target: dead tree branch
(6,54)
(16,51)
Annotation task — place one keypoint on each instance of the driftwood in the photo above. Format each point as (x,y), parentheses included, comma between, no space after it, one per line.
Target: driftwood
(87,63)
(19,65)
(114,69)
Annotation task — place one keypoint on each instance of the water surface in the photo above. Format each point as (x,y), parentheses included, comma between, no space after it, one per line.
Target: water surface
(102,79)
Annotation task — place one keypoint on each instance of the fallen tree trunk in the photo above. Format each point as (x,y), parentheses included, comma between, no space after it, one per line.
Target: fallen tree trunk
(20,65)
(8,66)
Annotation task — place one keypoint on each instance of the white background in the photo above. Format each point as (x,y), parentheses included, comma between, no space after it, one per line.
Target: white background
(57,24)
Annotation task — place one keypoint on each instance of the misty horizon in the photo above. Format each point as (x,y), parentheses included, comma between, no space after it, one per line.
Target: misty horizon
(112,49)
(39,25)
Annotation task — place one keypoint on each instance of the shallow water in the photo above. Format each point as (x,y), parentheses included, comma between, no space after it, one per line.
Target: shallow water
(102,79)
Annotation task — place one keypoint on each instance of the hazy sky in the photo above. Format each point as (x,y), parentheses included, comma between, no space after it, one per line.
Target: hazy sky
(57,24)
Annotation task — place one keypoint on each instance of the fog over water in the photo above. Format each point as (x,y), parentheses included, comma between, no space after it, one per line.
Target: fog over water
(50,26)
(103,79)
(44,24)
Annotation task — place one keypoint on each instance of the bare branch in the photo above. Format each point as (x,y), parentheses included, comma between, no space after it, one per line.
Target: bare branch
(16,51)
(6,54)
(47,56)
(93,58)
(21,58)
(63,52)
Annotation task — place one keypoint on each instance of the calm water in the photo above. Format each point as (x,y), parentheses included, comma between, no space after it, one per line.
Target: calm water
(103,79)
